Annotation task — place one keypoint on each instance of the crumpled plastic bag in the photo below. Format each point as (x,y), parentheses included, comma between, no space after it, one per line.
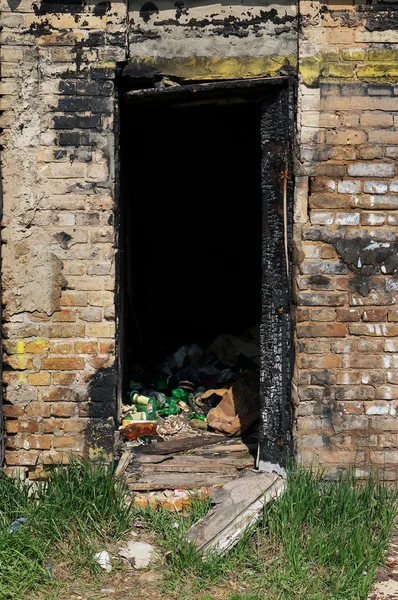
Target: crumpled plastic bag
(239,407)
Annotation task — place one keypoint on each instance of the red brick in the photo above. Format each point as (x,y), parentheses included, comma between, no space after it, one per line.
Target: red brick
(348,377)
(328,252)
(374,314)
(86,347)
(53,457)
(370,345)
(63,364)
(64,409)
(376,119)
(74,299)
(51,425)
(365,361)
(324,330)
(22,426)
(302,314)
(68,316)
(344,315)
(107,347)
(387,392)
(351,407)
(38,409)
(70,330)
(61,348)
(329,201)
(370,329)
(384,457)
(374,377)
(393,315)
(323,314)
(13,412)
(318,362)
(40,442)
(75,425)
(100,362)
(64,378)
(22,457)
(67,441)
(39,379)
(320,299)
(58,393)
(37,347)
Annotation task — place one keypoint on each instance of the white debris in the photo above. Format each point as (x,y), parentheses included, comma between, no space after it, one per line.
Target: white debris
(104,560)
(139,554)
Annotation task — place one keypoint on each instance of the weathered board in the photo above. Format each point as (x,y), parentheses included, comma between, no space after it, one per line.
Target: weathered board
(238,506)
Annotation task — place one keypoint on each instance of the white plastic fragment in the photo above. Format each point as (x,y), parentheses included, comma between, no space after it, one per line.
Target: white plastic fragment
(104,560)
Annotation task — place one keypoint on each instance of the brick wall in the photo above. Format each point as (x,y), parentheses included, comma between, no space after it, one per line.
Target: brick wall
(346,376)
(58,230)
(58,235)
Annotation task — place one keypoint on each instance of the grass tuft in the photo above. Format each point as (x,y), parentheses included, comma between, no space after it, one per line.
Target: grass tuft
(320,541)
(68,516)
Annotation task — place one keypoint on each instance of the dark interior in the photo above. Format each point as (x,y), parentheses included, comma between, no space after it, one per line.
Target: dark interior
(190,225)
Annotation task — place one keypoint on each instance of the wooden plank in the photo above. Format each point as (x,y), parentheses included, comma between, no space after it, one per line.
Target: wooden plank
(153,487)
(175,446)
(123,463)
(231,448)
(239,506)
(178,467)
(189,458)
(177,481)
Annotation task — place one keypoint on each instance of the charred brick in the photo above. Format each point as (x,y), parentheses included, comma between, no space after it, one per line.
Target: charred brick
(64,122)
(92,122)
(73,104)
(101,105)
(74,139)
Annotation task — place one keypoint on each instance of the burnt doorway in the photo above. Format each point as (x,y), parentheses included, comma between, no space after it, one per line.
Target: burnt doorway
(205,230)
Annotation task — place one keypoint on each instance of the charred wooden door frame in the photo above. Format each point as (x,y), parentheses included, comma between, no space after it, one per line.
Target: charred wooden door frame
(277,98)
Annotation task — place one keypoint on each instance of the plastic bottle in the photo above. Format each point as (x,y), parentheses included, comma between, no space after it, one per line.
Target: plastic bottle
(170,408)
(180,394)
(151,410)
(139,399)
(135,430)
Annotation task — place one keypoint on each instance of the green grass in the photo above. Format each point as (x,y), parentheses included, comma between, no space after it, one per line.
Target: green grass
(68,518)
(319,541)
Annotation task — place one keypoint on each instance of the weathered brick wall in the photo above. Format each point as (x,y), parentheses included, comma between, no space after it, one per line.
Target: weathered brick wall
(58,171)
(346,376)
(58,237)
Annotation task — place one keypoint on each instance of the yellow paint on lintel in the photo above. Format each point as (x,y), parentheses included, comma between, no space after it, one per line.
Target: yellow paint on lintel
(204,68)
(370,66)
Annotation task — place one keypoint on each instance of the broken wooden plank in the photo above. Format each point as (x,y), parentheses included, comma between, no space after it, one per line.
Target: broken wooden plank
(153,487)
(182,483)
(175,446)
(231,448)
(238,506)
(209,460)
(123,463)
(178,467)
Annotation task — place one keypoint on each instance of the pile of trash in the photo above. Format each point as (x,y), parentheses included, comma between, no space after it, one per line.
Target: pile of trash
(216,389)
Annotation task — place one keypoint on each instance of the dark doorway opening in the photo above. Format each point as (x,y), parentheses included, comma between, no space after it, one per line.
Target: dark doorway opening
(193,212)
(205,230)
